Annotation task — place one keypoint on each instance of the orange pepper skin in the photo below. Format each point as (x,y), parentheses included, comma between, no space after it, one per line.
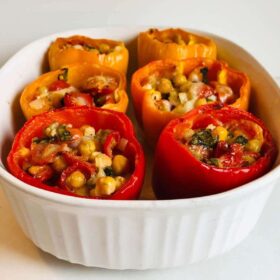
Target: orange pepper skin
(153,120)
(151,46)
(77,75)
(59,56)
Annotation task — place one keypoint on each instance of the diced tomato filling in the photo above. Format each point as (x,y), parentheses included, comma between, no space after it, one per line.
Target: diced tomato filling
(96,91)
(230,145)
(81,160)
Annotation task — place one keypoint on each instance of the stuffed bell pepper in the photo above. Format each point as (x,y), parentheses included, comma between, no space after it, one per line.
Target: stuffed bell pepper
(79,151)
(165,89)
(75,85)
(210,150)
(79,49)
(174,44)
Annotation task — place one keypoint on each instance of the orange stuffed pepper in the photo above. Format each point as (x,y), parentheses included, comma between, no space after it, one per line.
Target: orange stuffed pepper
(173,44)
(165,89)
(75,49)
(75,85)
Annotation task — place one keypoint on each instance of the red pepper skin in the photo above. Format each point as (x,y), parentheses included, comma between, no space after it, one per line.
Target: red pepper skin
(78,116)
(78,99)
(111,142)
(178,174)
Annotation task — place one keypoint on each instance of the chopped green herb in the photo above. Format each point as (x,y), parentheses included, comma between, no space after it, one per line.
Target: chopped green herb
(241,140)
(43,140)
(63,133)
(204,72)
(213,161)
(100,101)
(109,171)
(63,75)
(205,138)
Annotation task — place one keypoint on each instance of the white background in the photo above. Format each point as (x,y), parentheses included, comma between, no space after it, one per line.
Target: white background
(255,25)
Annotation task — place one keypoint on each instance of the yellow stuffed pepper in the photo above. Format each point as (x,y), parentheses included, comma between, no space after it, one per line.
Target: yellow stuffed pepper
(75,85)
(172,43)
(75,49)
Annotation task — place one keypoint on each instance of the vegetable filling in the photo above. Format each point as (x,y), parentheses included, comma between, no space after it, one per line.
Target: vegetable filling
(179,92)
(98,48)
(84,161)
(96,91)
(225,146)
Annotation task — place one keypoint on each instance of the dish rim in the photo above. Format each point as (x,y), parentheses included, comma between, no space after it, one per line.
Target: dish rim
(219,198)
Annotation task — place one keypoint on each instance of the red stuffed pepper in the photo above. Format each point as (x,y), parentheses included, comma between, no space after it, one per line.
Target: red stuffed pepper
(210,150)
(80,151)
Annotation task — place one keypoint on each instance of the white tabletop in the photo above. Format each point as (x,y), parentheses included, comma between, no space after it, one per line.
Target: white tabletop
(252,24)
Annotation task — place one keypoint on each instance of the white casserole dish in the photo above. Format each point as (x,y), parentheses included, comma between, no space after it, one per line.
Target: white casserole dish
(139,234)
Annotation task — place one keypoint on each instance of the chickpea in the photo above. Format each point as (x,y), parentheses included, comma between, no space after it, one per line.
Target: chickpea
(186,86)
(179,79)
(188,133)
(105,186)
(83,191)
(76,180)
(165,85)
(86,148)
(104,48)
(119,181)
(120,164)
(59,164)
(24,152)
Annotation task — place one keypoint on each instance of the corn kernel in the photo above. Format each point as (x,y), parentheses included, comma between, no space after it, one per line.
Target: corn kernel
(222,77)
(120,164)
(156,95)
(88,131)
(86,148)
(254,145)
(59,164)
(221,132)
(249,159)
(105,186)
(76,179)
(200,101)
(101,160)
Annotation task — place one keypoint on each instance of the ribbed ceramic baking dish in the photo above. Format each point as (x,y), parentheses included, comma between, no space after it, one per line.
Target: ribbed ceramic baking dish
(139,234)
